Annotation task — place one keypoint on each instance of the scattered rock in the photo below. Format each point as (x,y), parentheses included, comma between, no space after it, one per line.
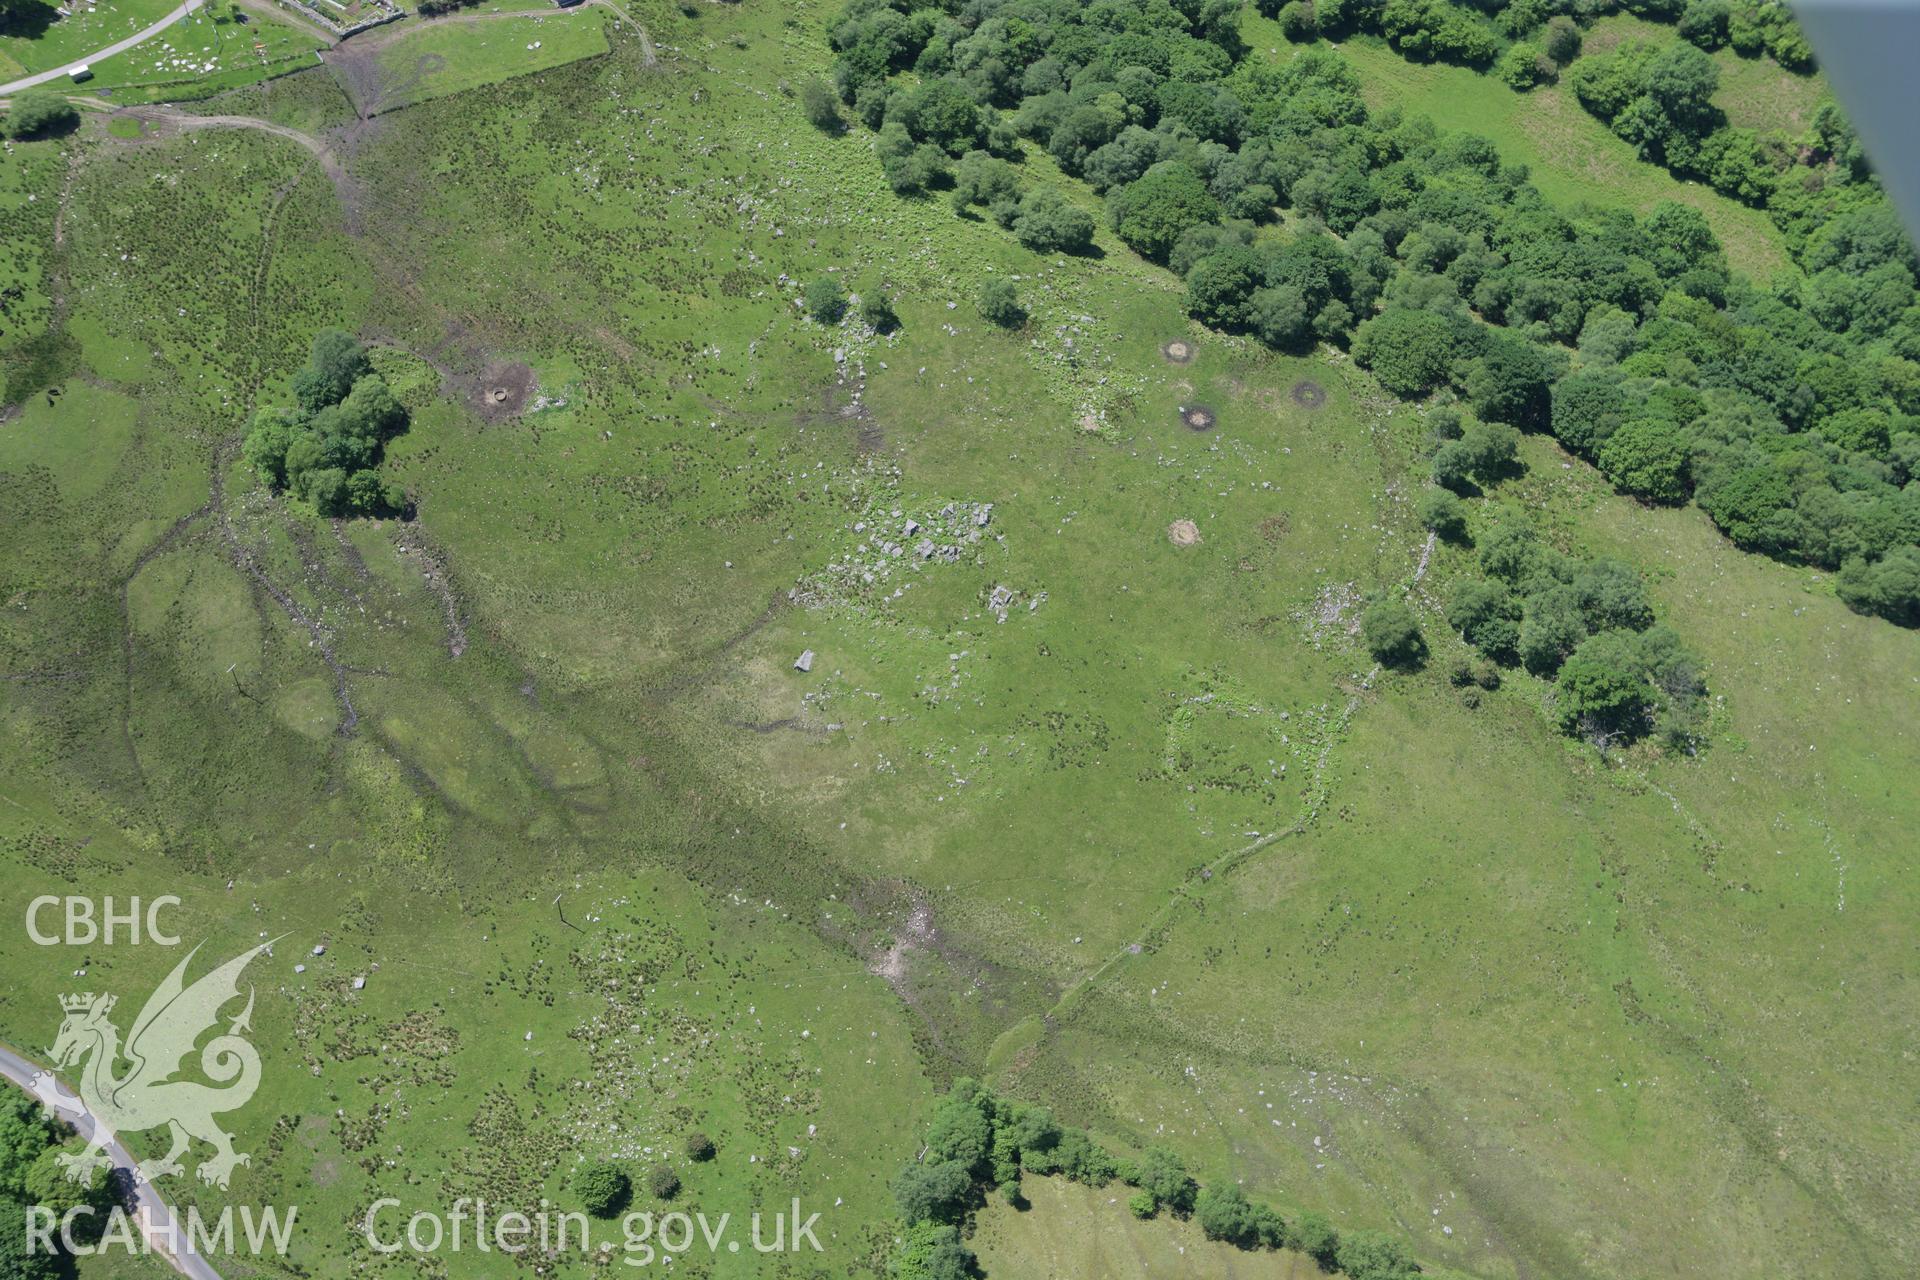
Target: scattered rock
(804,662)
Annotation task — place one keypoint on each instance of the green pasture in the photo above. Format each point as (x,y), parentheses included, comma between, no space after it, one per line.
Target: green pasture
(1072,1232)
(37,36)
(451,57)
(1160,848)
(203,53)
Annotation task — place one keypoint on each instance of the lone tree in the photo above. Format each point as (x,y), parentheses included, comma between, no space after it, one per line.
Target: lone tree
(1047,220)
(821,106)
(1297,22)
(1444,513)
(700,1147)
(1001,305)
(826,300)
(663,1182)
(40,113)
(876,308)
(1393,635)
(603,1188)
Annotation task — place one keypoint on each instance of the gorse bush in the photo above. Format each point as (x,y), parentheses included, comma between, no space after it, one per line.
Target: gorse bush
(1790,413)
(603,1188)
(1000,304)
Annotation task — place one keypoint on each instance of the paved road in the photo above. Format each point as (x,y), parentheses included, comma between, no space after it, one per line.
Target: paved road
(27,82)
(154,1213)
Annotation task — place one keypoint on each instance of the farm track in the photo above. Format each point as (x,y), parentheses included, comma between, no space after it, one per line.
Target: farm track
(1186,892)
(242,557)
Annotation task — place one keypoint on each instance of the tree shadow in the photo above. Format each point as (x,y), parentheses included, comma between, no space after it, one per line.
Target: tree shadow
(27,21)
(63,127)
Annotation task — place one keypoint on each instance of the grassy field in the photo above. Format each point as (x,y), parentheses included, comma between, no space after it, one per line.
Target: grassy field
(1759,94)
(200,52)
(197,56)
(1070,1232)
(451,57)
(1135,829)
(38,36)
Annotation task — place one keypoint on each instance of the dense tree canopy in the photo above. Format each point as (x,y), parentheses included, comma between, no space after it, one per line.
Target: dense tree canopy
(18,1259)
(1224,1213)
(1791,413)
(25,1132)
(31,1174)
(1151,213)
(935,1191)
(1162,1175)
(326,452)
(36,113)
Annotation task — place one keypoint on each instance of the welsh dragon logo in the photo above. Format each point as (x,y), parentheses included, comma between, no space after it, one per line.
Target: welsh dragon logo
(146,1094)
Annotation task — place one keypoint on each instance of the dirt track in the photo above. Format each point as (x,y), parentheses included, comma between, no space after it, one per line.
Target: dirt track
(166,118)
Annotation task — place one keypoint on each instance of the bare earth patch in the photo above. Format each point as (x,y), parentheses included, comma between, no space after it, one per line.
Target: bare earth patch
(1197,417)
(502,390)
(1177,351)
(1183,533)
